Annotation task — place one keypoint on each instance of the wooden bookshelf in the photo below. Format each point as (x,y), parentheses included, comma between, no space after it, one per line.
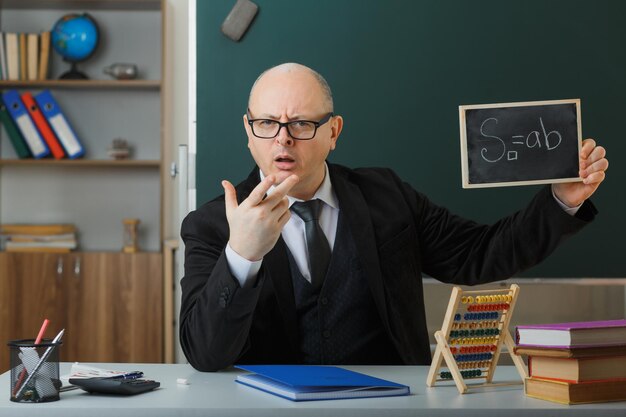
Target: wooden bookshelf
(96,290)
(100,110)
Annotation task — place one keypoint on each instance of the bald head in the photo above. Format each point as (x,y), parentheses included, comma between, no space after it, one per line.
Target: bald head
(294,69)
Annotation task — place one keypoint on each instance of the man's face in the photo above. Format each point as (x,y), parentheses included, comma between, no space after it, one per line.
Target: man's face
(285,97)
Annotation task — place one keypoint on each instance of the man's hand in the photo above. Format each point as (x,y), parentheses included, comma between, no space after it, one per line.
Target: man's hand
(593,164)
(256,223)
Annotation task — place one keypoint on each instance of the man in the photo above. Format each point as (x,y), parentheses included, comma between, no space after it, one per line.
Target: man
(339,280)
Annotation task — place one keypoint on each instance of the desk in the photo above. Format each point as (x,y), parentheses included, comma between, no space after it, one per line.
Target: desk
(216,394)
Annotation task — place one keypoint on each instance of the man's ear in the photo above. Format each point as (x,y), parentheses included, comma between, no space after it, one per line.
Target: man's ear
(246,127)
(336,125)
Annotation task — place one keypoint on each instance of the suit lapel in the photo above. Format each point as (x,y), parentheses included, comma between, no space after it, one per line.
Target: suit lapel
(356,211)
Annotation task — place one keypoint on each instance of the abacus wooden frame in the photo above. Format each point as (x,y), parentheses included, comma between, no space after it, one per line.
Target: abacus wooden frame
(443,352)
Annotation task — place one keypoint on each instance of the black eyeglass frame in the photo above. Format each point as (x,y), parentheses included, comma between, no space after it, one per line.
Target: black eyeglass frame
(286,125)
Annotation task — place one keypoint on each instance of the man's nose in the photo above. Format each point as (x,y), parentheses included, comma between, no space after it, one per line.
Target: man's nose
(283,137)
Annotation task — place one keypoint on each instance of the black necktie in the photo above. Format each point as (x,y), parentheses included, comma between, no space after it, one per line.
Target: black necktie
(317,245)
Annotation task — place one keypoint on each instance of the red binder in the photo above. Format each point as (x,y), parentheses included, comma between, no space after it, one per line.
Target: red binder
(43,126)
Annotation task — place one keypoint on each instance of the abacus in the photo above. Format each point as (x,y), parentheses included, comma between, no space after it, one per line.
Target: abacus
(470,340)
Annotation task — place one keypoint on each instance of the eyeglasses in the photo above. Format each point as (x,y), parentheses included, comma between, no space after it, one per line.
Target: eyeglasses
(297,129)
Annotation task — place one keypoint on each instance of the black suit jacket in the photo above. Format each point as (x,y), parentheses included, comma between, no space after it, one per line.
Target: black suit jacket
(399,235)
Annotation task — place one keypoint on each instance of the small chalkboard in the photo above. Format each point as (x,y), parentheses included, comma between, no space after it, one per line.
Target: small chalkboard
(505,144)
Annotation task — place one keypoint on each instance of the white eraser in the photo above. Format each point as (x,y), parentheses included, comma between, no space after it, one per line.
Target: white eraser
(182,381)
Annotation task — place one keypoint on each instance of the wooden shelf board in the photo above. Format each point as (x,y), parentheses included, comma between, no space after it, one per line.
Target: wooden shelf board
(82,162)
(84,84)
(83,4)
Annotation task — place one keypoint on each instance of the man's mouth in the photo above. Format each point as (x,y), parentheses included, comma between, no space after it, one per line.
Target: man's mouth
(284,162)
(284,158)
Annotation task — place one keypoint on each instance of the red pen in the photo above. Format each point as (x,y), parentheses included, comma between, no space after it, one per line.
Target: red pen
(42,331)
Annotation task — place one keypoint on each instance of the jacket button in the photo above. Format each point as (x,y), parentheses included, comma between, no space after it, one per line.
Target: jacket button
(224,296)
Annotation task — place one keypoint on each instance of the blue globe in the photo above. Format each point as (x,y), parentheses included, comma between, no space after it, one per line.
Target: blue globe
(75,37)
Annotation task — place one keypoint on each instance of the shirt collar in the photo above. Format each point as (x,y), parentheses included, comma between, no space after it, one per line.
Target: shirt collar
(325,192)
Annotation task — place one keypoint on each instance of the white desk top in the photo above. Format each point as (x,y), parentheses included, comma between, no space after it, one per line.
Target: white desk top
(216,394)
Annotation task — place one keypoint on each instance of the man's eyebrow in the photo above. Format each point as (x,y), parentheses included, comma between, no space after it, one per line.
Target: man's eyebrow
(274,117)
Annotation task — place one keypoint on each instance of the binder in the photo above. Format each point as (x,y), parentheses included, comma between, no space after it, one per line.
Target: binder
(25,124)
(44,129)
(59,124)
(312,382)
(21,149)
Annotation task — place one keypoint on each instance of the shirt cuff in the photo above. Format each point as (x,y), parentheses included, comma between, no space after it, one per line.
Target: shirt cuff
(569,210)
(241,268)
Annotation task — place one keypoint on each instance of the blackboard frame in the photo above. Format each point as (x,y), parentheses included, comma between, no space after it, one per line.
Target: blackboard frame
(465,160)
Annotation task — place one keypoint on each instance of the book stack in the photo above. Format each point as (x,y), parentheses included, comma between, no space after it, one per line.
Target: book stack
(59,238)
(37,127)
(573,363)
(24,56)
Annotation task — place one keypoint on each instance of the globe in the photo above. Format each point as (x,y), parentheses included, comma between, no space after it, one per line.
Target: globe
(75,37)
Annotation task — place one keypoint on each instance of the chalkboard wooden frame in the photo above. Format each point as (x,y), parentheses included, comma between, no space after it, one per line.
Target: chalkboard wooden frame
(465,155)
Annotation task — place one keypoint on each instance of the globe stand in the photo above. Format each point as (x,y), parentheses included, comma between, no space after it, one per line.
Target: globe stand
(73,73)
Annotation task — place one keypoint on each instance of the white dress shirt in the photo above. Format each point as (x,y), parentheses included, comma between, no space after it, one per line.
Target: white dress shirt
(295,238)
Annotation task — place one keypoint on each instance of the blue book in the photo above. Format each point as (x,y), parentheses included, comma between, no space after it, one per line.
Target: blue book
(25,124)
(59,124)
(313,382)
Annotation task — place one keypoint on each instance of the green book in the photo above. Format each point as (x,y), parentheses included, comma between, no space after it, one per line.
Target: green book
(14,135)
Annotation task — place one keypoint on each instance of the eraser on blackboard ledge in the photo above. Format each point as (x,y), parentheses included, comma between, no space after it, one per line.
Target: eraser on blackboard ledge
(239,19)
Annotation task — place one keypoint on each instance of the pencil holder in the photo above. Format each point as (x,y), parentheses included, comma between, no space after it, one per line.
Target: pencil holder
(34,371)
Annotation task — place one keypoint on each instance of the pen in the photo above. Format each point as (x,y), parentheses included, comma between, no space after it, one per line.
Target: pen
(128,375)
(41,361)
(42,331)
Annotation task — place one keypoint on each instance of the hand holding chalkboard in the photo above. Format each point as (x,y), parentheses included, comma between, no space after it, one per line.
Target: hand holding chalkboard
(593,164)
(520,143)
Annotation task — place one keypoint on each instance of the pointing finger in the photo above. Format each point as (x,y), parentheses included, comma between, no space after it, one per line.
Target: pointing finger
(284,187)
(230,196)
(258,194)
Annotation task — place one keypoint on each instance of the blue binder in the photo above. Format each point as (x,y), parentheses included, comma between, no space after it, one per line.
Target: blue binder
(59,124)
(25,124)
(312,382)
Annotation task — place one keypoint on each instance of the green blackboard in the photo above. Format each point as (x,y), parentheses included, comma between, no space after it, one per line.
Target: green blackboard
(400,69)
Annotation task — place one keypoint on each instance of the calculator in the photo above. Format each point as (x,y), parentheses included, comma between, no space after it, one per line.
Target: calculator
(116,386)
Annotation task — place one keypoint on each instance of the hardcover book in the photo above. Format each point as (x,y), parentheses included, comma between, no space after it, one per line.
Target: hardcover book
(36,229)
(578,370)
(569,393)
(576,334)
(575,352)
(311,382)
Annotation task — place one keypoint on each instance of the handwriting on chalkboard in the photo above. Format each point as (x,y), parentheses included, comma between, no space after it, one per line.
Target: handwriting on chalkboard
(534,139)
(520,143)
